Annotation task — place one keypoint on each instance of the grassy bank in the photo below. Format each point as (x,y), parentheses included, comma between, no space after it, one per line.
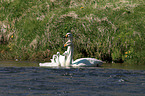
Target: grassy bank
(108,30)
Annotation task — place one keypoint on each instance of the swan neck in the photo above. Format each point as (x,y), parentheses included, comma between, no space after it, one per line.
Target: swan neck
(70,55)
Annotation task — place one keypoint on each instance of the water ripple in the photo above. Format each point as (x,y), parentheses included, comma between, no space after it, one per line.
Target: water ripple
(35,81)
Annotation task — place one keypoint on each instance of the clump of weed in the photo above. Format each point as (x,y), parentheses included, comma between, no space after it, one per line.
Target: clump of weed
(107,30)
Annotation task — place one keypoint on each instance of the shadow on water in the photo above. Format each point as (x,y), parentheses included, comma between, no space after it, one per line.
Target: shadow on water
(23,78)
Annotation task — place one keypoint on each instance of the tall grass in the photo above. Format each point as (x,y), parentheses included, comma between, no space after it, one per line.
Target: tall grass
(108,30)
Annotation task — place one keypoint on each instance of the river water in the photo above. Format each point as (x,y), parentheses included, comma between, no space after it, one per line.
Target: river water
(28,79)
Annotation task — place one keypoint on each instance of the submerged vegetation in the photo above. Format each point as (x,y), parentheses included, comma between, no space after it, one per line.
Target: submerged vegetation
(107,30)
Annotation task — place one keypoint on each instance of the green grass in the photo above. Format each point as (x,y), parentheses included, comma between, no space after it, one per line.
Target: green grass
(107,30)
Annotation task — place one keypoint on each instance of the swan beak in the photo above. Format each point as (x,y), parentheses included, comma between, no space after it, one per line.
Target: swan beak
(64,45)
(65,36)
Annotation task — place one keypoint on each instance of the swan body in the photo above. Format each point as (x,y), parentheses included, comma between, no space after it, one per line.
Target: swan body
(66,60)
(86,62)
(81,62)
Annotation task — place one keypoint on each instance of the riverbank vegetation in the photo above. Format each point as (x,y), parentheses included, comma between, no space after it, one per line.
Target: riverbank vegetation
(107,30)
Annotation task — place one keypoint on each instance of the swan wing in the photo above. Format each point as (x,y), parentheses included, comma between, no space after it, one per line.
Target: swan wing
(48,64)
(86,62)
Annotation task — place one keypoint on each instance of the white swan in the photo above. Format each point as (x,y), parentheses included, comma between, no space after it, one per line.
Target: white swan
(66,60)
(57,61)
(54,62)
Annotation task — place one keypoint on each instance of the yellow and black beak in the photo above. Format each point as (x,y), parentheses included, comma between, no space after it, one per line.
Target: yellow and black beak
(64,45)
(65,36)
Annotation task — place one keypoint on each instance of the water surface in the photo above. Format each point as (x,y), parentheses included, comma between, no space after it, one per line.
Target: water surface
(28,79)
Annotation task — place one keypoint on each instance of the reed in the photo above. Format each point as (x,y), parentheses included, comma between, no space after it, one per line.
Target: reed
(33,30)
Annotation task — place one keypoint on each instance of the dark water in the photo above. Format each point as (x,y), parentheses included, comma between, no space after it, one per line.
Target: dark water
(27,79)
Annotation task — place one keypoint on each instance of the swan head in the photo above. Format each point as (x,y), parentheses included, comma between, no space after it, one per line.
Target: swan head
(58,53)
(68,43)
(68,35)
